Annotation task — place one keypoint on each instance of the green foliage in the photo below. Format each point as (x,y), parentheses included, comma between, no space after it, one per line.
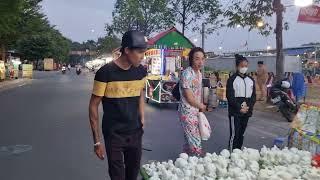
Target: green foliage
(188,13)
(9,17)
(248,13)
(148,16)
(108,44)
(25,28)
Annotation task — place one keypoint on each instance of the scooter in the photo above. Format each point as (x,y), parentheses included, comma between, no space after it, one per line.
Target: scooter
(63,70)
(78,71)
(287,106)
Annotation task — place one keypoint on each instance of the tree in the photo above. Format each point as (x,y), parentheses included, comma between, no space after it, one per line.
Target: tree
(108,44)
(148,16)
(9,13)
(188,12)
(38,39)
(251,14)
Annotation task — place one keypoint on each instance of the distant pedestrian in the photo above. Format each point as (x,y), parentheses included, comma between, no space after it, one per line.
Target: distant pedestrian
(191,102)
(262,78)
(119,85)
(241,95)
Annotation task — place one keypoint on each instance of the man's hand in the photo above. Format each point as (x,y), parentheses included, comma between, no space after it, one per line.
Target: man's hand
(100,151)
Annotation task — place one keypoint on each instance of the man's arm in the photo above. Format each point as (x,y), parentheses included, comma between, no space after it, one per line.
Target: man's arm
(141,107)
(94,122)
(94,117)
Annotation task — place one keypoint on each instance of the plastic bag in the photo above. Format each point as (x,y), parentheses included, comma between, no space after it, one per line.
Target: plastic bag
(204,126)
(311,121)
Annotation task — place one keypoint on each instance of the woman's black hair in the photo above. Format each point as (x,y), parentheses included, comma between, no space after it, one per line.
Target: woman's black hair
(192,52)
(239,59)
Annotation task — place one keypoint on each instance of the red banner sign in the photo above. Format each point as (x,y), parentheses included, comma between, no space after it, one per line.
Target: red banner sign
(310,14)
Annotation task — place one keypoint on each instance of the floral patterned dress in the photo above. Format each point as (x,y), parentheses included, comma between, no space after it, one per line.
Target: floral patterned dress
(188,114)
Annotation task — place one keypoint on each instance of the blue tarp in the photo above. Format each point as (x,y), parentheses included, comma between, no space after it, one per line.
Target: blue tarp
(298,85)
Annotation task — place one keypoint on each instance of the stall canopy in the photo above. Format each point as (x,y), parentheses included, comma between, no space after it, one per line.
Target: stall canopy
(171,38)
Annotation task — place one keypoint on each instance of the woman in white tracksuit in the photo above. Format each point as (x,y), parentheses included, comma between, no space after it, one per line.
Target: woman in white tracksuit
(241,95)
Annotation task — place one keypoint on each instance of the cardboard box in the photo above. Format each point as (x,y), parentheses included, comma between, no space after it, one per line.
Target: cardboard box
(222,94)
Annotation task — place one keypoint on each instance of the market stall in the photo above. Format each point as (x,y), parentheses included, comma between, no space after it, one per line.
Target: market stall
(27,71)
(2,71)
(305,132)
(164,61)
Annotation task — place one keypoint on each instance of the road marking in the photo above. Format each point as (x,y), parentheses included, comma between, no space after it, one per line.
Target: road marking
(14,150)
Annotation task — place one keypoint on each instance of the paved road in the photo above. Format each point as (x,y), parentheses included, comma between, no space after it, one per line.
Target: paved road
(49,115)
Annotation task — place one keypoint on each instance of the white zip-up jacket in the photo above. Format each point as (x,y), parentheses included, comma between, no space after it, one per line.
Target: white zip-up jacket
(240,89)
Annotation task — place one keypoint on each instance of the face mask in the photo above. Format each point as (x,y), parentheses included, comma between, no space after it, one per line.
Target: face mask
(243,70)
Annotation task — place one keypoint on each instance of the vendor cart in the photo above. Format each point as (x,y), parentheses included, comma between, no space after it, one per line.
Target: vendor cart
(163,66)
(164,61)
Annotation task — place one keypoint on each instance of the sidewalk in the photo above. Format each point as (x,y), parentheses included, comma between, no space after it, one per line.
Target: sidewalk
(9,84)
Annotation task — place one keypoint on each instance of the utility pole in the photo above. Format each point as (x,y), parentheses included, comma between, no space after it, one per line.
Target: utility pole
(279,9)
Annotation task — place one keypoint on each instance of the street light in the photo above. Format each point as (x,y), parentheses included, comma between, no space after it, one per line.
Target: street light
(220,48)
(303,3)
(268,47)
(260,24)
(238,26)
(195,40)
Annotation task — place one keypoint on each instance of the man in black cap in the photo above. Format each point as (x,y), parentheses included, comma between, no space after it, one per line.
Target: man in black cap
(119,85)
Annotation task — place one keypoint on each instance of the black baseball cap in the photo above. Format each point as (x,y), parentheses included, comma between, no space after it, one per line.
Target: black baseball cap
(134,39)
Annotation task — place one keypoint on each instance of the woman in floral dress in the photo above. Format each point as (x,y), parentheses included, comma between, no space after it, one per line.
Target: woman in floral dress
(191,104)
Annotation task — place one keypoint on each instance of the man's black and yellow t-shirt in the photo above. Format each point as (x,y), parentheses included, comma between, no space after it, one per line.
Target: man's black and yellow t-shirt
(120,90)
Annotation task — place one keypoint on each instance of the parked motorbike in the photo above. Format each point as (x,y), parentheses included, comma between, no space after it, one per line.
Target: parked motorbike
(287,106)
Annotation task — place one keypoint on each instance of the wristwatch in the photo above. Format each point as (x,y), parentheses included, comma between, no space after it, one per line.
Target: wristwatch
(97,144)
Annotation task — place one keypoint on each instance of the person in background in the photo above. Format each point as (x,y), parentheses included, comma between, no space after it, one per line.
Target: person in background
(119,86)
(241,95)
(191,103)
(262,78)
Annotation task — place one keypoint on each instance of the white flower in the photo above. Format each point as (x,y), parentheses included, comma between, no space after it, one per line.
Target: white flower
(225,153)
(241,164)
(184,156)
(181,163)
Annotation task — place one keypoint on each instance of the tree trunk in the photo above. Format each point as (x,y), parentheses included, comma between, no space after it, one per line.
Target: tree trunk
(37,64)
(184,19)
(183,27)
(203,36)
(279,9)
(3,52)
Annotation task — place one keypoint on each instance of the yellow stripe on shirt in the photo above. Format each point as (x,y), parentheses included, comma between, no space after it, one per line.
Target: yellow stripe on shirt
(124,89)
(99,88)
